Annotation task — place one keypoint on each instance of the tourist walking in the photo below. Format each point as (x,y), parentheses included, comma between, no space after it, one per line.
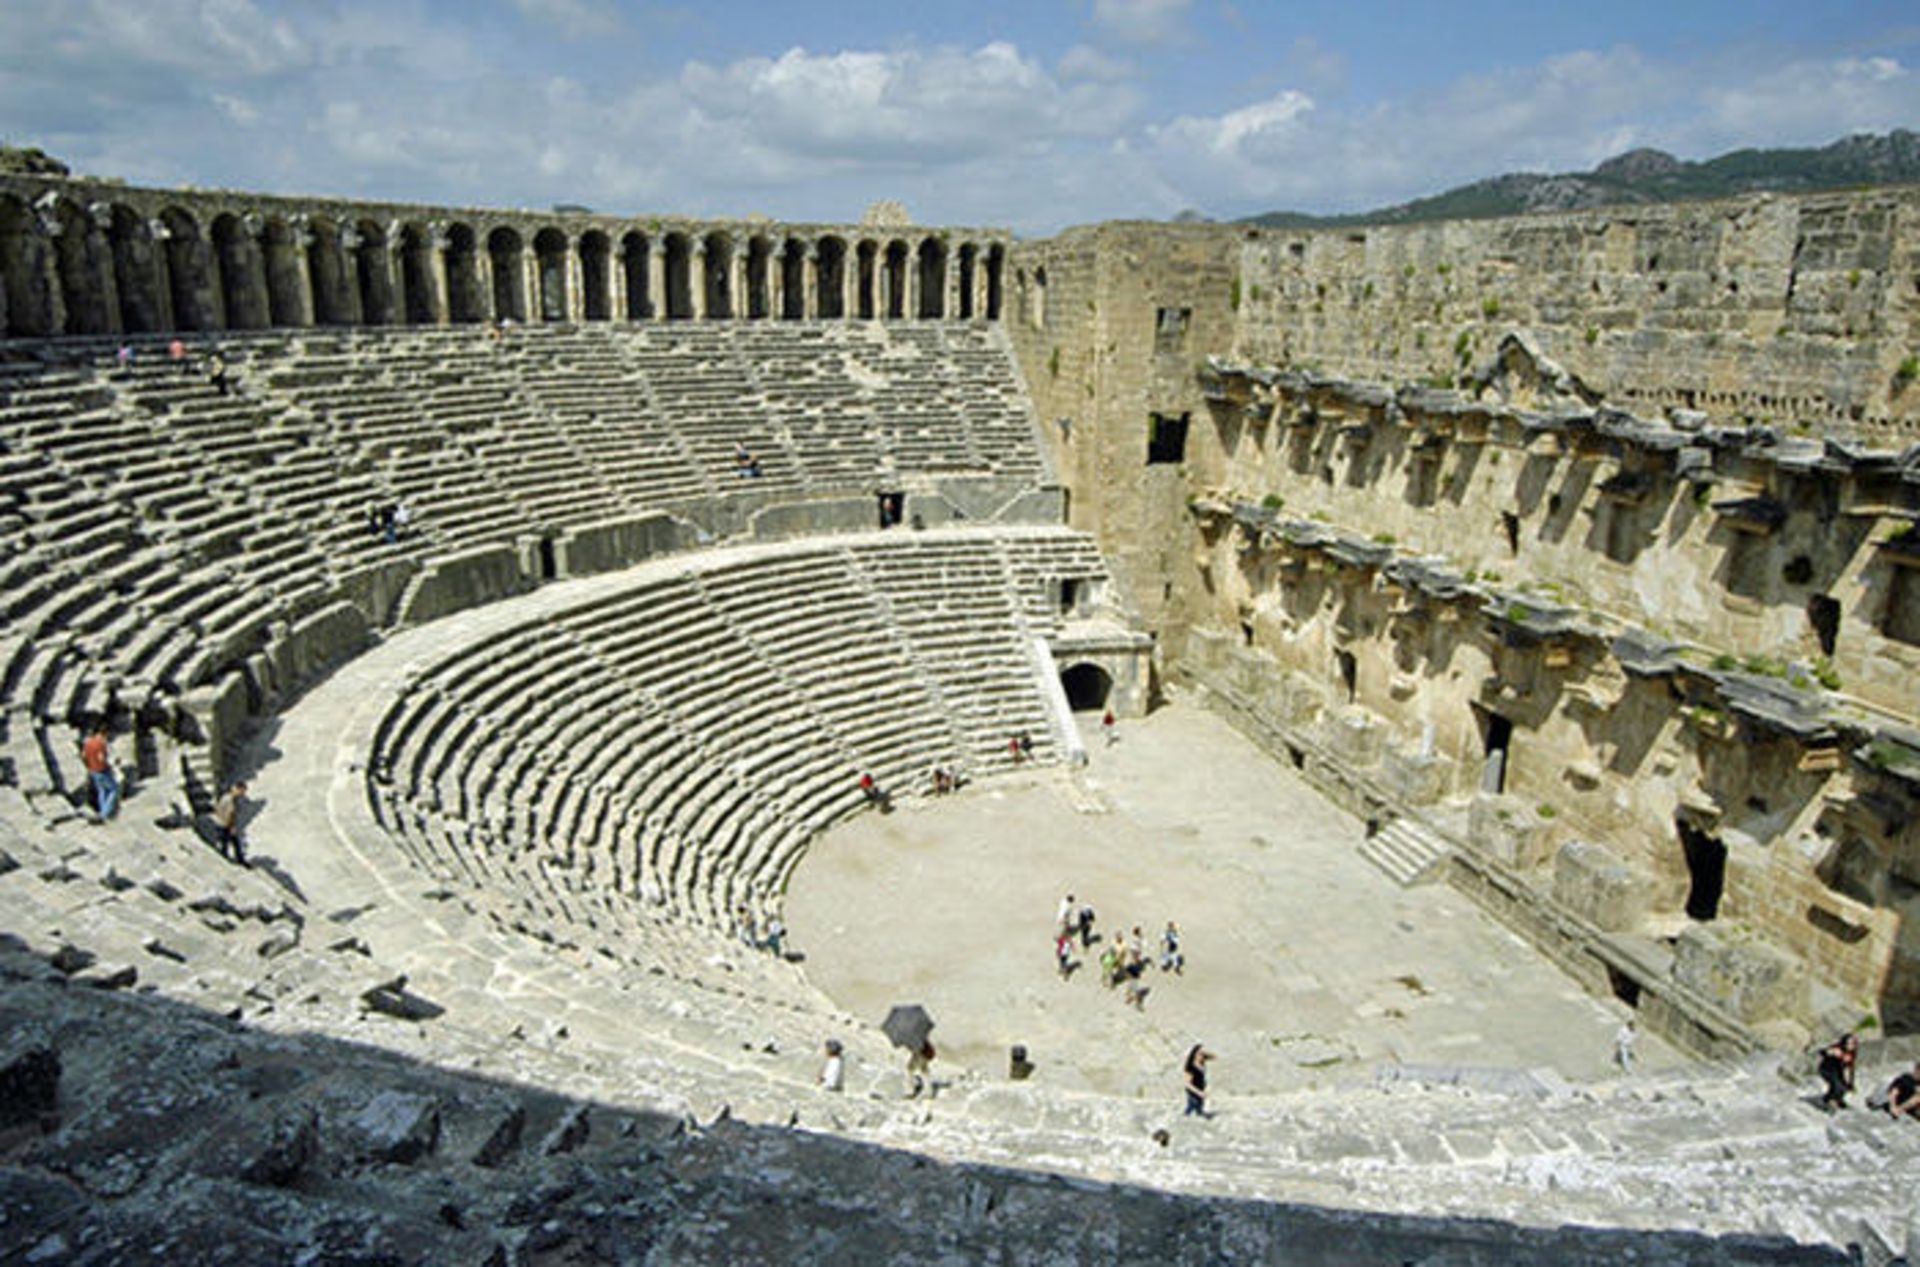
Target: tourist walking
(177,355)
(1171,960)
(1063,954)
(1086,926)
(1063,919)
(226,823)
(1110,727)
(217,374)
(1194,1073)
(1623,1041)
(100,773)
(920,1071)
(1837,1061)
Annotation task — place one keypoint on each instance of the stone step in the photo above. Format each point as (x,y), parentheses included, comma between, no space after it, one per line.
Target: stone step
(1407,851)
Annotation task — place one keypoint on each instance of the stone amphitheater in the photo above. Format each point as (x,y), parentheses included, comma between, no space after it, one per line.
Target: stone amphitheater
(1525,612)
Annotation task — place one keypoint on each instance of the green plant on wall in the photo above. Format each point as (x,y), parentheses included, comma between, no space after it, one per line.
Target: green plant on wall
(1489,307)
(1905,373)
(1593,335)
(1053,364)
(1233,294)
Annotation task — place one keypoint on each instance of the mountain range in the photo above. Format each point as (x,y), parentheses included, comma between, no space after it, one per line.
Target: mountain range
(1649,176)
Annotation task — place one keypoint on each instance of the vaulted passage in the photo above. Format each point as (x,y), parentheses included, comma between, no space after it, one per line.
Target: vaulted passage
(504,252)
(1088,687)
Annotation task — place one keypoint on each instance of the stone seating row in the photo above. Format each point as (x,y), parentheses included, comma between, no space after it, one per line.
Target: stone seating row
(676,746)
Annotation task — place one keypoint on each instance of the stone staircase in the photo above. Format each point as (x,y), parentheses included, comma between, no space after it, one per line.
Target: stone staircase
(1407,851)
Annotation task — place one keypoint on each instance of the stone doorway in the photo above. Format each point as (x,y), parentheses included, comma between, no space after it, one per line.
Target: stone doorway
(1706,857)
(1088,687)
(1496,735)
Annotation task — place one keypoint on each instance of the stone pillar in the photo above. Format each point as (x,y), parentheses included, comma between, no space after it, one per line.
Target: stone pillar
(483,279)
(43,241)
(736,281)
(697,277)
(850,283)
(529,266)
(657,279)
(301,230)
(910,281)
(158,231)
(351,240)
(810,282)
(438,244)
(576,271)
(950,298)
(100,263)
(617,282)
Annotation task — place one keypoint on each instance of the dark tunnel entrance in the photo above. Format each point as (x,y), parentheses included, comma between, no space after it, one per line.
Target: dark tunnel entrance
(1087,687)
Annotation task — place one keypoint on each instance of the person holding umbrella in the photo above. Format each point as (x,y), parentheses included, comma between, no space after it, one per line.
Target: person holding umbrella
(909,1026)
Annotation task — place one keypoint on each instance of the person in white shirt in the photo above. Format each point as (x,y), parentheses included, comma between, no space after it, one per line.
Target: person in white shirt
(833,1074)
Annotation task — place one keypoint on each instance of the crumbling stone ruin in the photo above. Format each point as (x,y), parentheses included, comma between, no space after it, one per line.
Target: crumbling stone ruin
(1570,552)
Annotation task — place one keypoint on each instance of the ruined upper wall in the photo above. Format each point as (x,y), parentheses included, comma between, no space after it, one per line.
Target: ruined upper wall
(81,257)
(1781,310)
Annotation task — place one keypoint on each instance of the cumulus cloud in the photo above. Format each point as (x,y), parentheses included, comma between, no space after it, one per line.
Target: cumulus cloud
(395,99)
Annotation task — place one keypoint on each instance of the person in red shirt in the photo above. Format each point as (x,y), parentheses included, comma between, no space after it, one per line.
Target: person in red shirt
(99,763)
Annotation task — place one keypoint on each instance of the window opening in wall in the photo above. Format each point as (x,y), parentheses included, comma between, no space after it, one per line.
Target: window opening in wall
(1088,687)
(1166,438)
(549,563)
(1901,620)
(1069,595)
(1170,329)
(1510,528)
(1798,571)
(892,508)
(1246,632)
(1497,735)
(1349,673)
(1623,987)
(1706,870)
(1823,613)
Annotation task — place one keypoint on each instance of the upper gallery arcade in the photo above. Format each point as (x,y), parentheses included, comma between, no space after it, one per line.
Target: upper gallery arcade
(92,258)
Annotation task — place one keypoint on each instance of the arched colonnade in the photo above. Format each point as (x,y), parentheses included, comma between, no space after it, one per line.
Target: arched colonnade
(69,267)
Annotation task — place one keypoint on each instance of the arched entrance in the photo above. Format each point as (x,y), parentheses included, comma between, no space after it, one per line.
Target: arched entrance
(550,265)
(1706,857)
(596,295)
(504,253)
(1088,687)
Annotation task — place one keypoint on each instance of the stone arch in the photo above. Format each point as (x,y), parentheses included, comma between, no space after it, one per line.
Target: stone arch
(26,302)
(285,273)
(243,281)
(635,256)
(759,256)
(136,271)
(679,277)
(1088,687)
(596,281)
(413,247)
(830,277)
(996,270)
(967,262)
(466,297)
(371,273)
(504,253)
(718,275)
(894,279)
(327,274)
(550,266)
(77,258)
(190,288)
(867,280)
(933,280)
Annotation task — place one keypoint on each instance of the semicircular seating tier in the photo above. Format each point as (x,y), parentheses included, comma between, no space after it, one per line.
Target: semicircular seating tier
(667,752)
(161,537)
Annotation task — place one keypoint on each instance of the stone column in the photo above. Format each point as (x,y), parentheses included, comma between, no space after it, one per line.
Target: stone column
(438,244)
(350,241)
(950,296)
(810,282)
(301,230)
(736,280)
(617,282)
(910,310)
(100,263)
(657,279)
(850,282)
(160,234)
(575,270)
(483,280)
(697,277)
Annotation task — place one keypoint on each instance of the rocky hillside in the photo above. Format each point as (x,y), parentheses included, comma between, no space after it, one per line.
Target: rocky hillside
(1650,176)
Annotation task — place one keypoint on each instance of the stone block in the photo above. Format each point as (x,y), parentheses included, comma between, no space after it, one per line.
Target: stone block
(1507,830)
(1354,737)
(397,1127)
(457,582)
(1595,884)
(584,549)
(1415,777)
(1748,978)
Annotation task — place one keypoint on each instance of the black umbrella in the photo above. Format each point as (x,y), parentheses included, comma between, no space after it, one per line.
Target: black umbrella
(908,1026)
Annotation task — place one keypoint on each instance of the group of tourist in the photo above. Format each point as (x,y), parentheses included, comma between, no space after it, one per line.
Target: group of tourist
(769,934)
(105,788)
(1837,1063)
(1124,956)
(389,521)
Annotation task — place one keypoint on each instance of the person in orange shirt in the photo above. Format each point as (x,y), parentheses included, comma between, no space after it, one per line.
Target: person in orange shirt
(99,763)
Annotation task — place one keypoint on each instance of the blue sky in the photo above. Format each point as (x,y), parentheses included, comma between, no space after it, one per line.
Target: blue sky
(1031,115)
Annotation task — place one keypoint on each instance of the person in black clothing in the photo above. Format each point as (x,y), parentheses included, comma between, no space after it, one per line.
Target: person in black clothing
(1903,1096)
(1836,1070)
(1195,1072)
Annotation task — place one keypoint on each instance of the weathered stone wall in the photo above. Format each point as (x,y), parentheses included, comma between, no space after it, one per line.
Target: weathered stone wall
(1785,310)
(1730,532)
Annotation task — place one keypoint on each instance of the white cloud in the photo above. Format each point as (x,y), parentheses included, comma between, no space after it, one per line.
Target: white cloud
(1083,61)
(1141,21)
